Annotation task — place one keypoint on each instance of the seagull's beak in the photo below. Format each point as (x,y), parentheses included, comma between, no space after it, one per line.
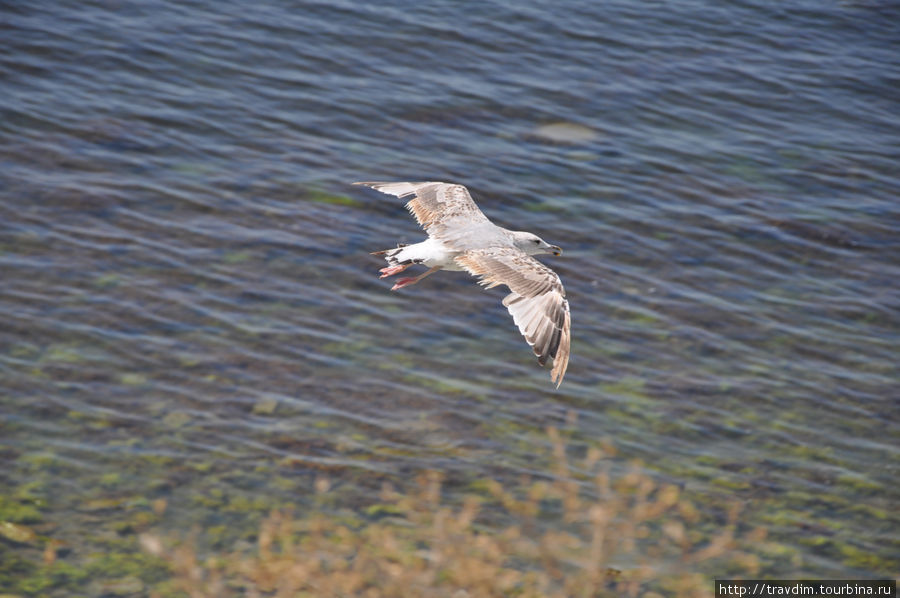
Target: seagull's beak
(556,250)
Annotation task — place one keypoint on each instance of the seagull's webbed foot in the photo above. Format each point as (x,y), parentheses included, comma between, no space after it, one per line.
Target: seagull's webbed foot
(405,282)
(391,270)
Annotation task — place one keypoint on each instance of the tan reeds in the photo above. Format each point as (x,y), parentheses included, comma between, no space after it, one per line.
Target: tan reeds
(622,536)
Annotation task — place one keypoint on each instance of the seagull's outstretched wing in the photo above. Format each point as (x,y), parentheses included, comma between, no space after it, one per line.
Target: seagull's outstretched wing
(445,210)
(537,303)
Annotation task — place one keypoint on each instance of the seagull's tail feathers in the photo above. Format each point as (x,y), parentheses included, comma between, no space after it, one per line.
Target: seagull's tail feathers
(393,257)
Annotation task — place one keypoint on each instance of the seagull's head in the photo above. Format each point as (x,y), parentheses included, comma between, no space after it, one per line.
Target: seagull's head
(533,244)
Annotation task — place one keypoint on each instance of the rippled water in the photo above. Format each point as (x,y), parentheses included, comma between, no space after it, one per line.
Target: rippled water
(189,311)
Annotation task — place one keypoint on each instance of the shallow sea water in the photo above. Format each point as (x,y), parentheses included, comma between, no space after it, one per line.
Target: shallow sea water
(188,310)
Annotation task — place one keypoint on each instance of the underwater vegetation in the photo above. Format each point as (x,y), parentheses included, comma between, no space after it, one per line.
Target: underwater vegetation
(580,531)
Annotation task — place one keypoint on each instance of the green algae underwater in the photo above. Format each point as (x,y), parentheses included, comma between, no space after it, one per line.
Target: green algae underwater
(264,477)
(576,529)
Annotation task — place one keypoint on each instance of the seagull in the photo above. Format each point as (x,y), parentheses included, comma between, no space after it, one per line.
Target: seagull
(462,238)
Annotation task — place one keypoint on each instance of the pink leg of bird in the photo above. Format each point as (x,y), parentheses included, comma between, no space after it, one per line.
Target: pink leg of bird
(405,282)
(391,270)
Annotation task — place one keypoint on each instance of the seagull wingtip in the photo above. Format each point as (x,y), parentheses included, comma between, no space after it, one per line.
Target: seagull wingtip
(557,378)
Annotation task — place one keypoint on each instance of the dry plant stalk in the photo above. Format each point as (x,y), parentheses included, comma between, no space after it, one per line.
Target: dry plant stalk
(630,536)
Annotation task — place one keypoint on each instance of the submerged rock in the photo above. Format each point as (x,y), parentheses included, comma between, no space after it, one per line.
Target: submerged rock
(17,532)
(565,132)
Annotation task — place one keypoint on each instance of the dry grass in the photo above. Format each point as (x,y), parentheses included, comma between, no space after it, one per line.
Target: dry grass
(629,537)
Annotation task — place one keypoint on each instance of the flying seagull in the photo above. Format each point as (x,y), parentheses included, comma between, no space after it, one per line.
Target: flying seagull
(460,237)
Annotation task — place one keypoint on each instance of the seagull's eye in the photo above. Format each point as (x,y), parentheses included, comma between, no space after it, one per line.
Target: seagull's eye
(536,241)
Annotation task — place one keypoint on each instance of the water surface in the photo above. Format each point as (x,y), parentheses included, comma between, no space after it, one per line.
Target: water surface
(189,312)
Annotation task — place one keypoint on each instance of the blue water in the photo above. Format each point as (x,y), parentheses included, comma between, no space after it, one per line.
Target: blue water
(186,297)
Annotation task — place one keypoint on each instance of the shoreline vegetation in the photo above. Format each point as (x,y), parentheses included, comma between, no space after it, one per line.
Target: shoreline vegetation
(579,531)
